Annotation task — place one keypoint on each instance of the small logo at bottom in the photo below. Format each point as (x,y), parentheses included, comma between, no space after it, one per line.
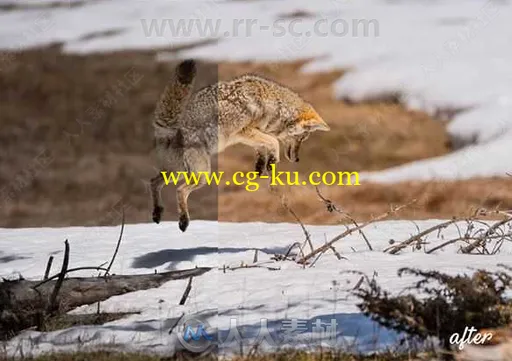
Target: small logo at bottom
(195,335)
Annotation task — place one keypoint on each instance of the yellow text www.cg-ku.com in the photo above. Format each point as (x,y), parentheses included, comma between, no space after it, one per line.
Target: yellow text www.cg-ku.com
(247,179)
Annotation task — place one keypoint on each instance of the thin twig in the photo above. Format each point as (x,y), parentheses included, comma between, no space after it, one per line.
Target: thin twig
(349,231)
(469,248)
(48,268)
(69,271)
(362,234)
(117,246)
(336,253)
(187,291)
(359,283)
(509,268)
(315,260)
(331,207)
(177,322)
(306,233)
(244,266)
(468,237)
(397,248)
(444,244)
(296,244)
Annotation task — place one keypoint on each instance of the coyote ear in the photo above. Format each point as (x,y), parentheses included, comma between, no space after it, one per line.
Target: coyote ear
(310,120)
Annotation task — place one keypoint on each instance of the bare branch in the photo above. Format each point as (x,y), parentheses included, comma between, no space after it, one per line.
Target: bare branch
(397,248)
(306,233)
(96,268)
(65,262)
(244,266)
(117,246)
(187,291)
(349,231)
(48,268)
(469,248)
(331,207)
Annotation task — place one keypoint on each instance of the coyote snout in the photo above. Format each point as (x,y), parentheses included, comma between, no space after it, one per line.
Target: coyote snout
(191,127)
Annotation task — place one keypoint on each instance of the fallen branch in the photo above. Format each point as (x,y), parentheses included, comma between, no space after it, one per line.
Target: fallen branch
(21,303)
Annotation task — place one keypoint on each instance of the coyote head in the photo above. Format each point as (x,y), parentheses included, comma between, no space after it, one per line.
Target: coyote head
(299,130)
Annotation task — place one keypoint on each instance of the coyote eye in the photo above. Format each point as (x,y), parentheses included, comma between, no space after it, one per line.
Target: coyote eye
(295,129)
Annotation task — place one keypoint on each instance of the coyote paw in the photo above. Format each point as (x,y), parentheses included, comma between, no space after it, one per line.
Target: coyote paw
(271,160)
(183,222)
(260,164)
(157,214)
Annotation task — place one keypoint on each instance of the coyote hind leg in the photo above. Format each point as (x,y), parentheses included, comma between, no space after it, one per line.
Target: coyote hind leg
(198,162)
(156,184)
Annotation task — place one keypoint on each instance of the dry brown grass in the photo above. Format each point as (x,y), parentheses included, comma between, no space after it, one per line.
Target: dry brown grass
(280,356)
(434,200)
(96,165)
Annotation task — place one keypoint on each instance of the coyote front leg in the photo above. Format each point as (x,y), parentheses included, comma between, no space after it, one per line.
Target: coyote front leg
(266,145)
(261,161)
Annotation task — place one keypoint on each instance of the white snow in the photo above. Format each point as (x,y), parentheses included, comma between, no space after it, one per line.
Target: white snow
(481,160)
(247,295)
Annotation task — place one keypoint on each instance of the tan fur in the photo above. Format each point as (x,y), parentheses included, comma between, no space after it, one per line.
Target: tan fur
(190,128)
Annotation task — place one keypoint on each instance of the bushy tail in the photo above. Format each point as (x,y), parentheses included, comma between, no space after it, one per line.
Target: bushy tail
(176,95)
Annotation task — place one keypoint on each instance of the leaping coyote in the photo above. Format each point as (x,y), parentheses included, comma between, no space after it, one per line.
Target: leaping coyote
(191,127)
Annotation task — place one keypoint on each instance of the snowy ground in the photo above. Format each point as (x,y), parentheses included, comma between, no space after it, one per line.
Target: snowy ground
(441,56)
(246,295)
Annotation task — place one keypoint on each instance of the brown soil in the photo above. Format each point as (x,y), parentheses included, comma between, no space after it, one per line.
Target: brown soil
(76,145)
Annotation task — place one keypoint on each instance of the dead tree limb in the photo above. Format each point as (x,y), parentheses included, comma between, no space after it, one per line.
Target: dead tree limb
(21,305)
(52,304)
